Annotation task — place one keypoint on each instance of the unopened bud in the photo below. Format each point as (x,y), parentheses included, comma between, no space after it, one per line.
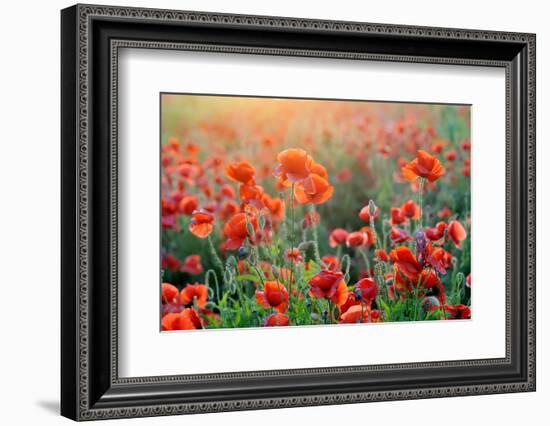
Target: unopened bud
(372,208)
(243,253)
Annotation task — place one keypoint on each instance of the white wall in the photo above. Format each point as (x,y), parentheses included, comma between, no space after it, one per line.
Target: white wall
(29,212)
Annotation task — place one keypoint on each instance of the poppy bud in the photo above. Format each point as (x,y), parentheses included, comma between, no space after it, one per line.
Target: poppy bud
(372,208)
(261,222)
(315,317)
(243,253)
(227,276)
(304,245)
(275,271)
(250,229)
(231,261)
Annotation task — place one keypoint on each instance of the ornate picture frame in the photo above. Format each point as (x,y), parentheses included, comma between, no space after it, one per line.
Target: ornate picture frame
(91,37)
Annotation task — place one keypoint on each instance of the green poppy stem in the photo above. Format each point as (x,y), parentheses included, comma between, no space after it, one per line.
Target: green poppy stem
(420,200)
(292,231)
(216,258)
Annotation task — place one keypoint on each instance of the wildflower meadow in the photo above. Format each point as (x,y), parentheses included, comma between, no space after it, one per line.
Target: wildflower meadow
(291,212)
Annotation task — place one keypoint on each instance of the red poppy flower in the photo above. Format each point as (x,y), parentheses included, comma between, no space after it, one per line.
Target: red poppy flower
(465,170)
(398,235)
(276,207)
(169,293)
(251,193)
(173,143)
(355,239)
(192,149)
(338,237)
(354,315)
(329,285)
(437,147)
(277,320)
(188,204)
(469,281)
(406,262)
(425,279)
(192,292)
(227,191)
(294,165)
(188,319)
(172,307)
(436,233)
(364,214)
(411,210)
(368,289)
(319,170)
(229,208)
(370,235)
(450,155)
(381,255)
(192,265)
(440,259)
(274,295)
(445,213)
(177,196)
(331,262)
(168,214)
(396,216)
(202,223)
(313,190)
(170,262)
(351,300)
(458,311)
(456,233)
(424,165)
(293,255)
(344,175)
(311,218)
(241,171)
(235,230)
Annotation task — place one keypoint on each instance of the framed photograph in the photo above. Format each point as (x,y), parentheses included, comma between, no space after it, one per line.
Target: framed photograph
(263,212)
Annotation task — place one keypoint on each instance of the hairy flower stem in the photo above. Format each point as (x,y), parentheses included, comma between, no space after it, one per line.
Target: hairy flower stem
(292,231)
(316,253)
(420,200)
(217,260)
(259,273)
(209,273)
(377,240)
(365,258)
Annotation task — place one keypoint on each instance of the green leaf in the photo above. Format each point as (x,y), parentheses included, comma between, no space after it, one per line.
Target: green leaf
(248,277)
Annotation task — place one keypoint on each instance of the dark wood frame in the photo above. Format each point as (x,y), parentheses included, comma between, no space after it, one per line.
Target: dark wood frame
(91,37)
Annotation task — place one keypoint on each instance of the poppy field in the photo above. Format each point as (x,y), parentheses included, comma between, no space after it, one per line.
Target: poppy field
(289,212)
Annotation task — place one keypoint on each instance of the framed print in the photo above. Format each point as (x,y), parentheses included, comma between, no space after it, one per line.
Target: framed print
(294,210)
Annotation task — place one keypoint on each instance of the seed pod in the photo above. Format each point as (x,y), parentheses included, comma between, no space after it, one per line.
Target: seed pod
(250,229)
(243,253)
(304,246)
